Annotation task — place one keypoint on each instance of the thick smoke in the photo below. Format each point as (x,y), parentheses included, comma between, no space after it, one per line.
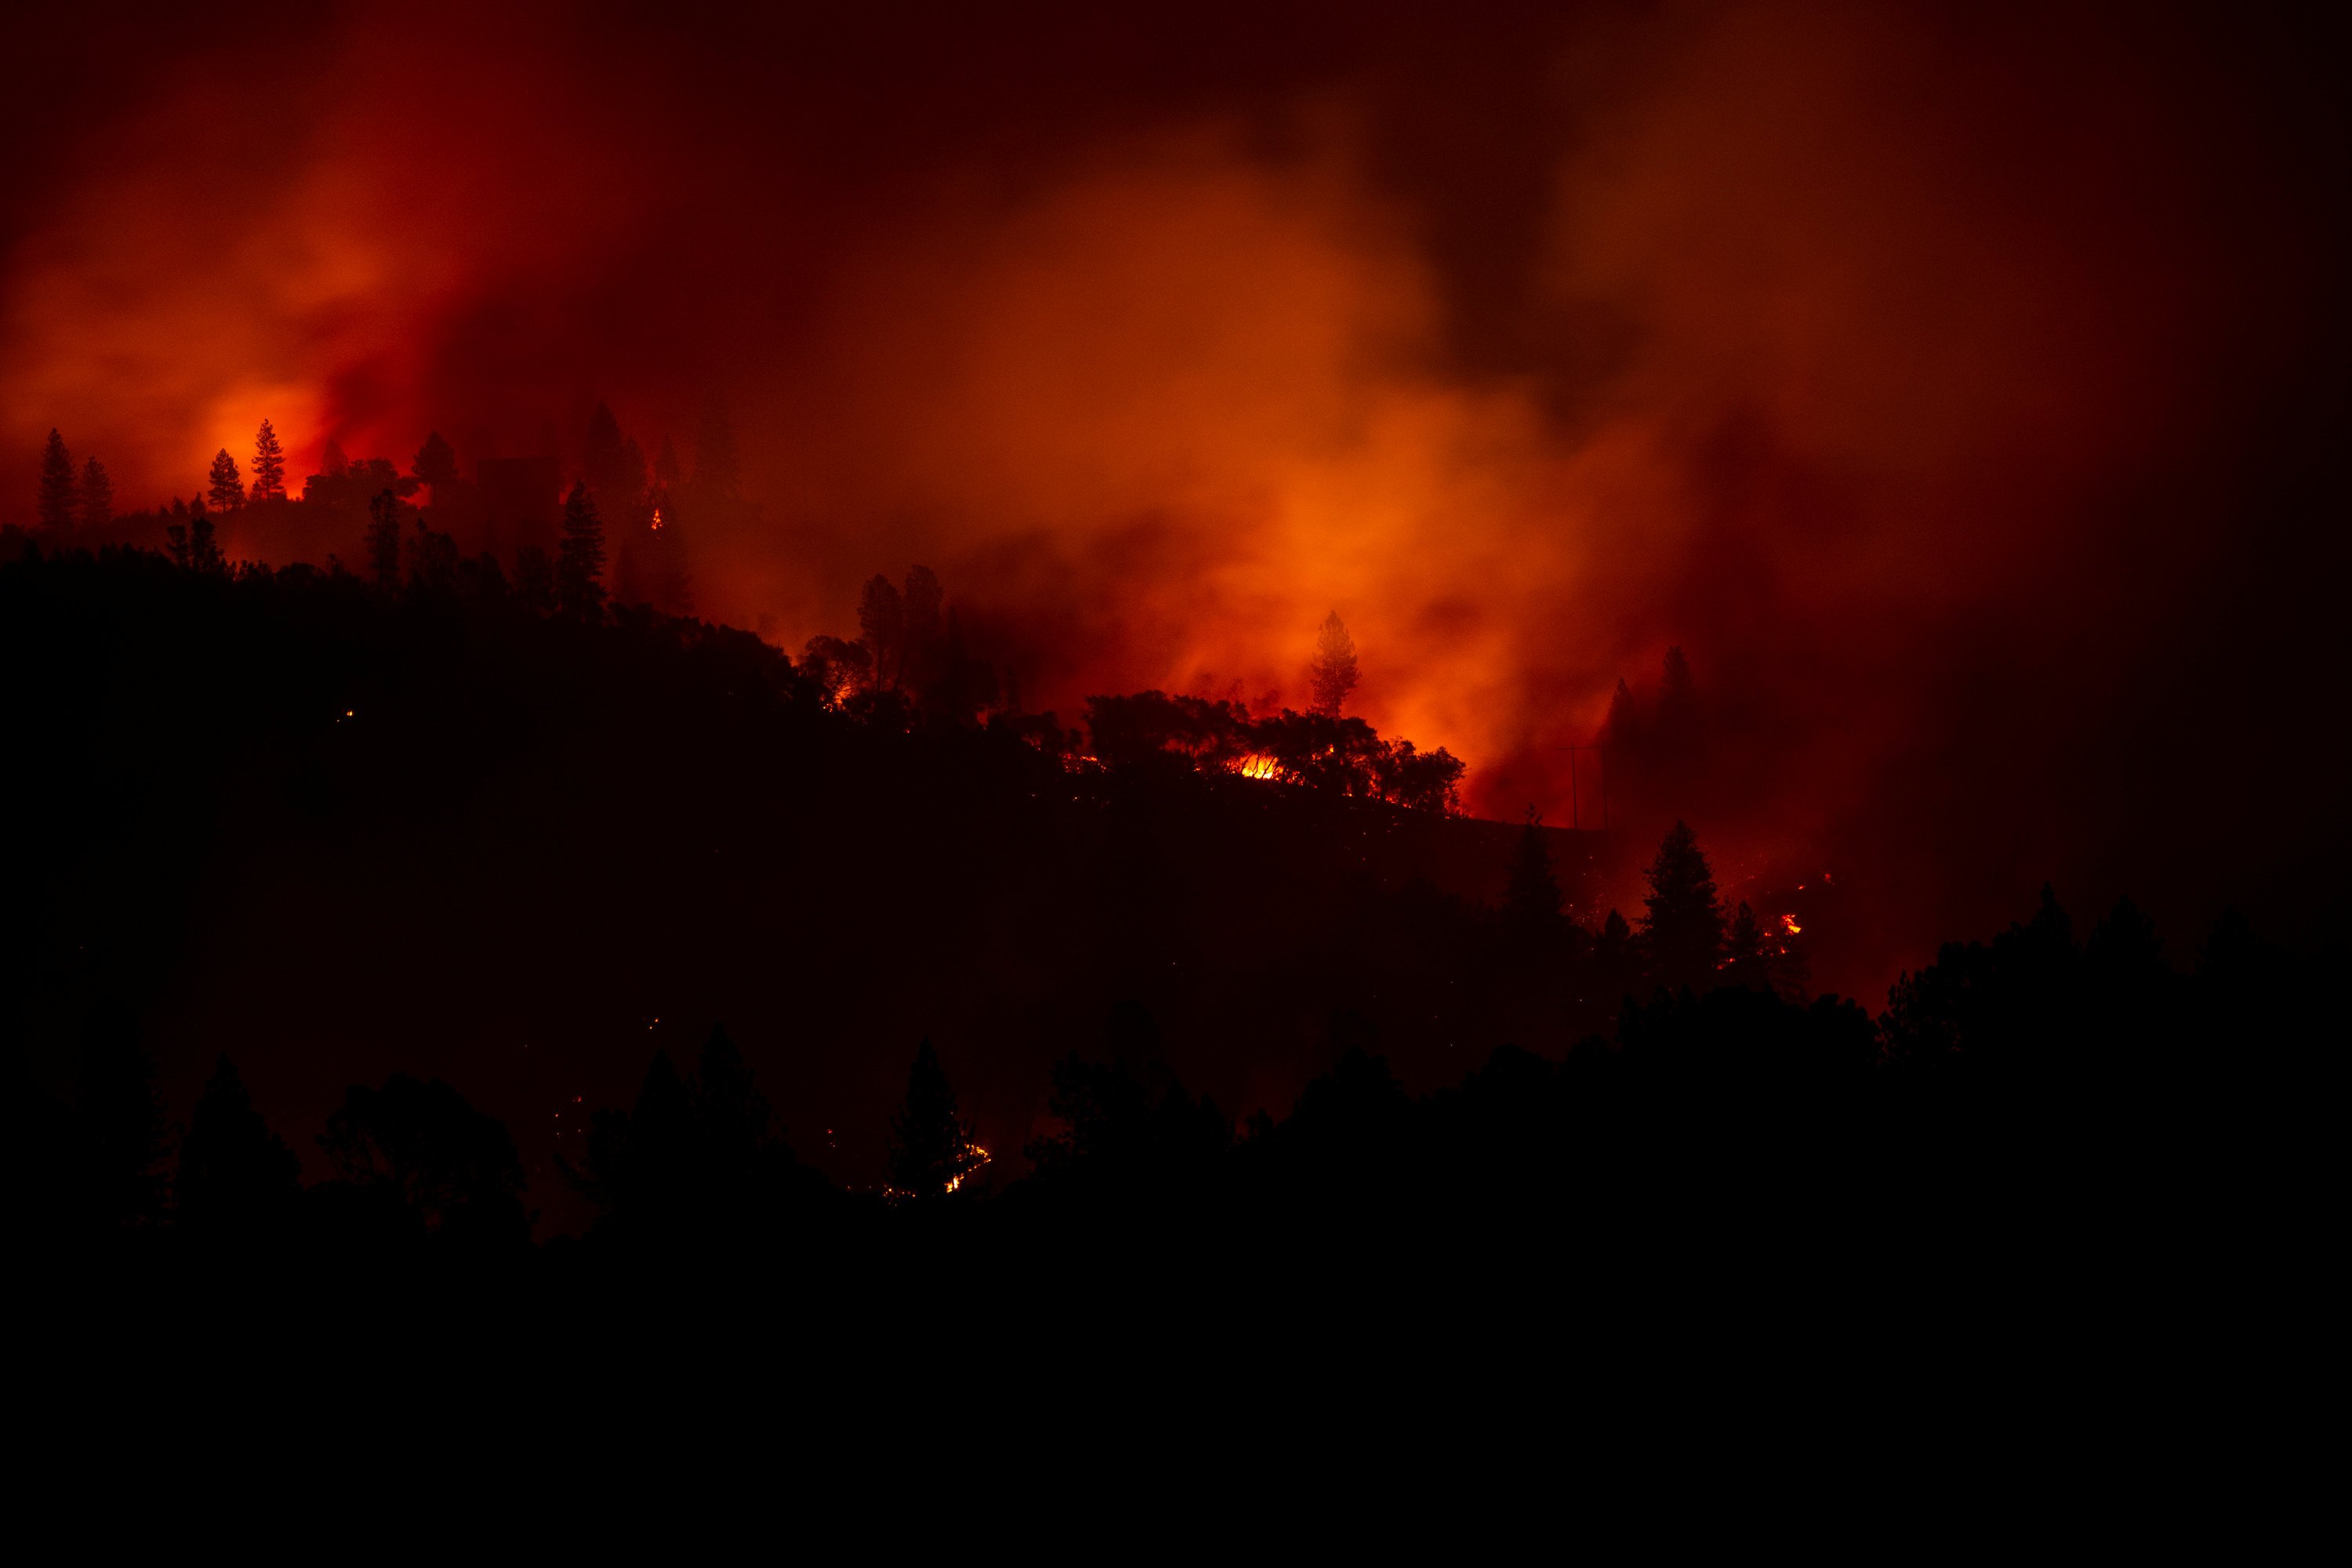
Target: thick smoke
(1936,384)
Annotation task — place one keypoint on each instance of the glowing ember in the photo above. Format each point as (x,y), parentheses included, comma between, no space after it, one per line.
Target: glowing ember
(978,1156)
(656,519)
(1789,924)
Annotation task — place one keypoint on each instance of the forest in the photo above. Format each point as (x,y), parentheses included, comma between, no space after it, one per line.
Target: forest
(1093,918)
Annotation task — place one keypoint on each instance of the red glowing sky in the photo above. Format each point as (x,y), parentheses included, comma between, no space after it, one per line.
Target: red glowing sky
(1943,383)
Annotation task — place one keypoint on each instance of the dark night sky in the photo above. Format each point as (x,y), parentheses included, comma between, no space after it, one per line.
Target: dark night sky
(1961,386)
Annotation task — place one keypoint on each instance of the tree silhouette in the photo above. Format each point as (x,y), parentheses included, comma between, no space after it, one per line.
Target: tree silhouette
(383,542)
(932,1149)
(55,506)
(453,1167)
(1335,666)
(268,465)
(1532,899)
(96,500)
(579,563)
(235,1176)
(222,487)
(1684,927)
(436,464)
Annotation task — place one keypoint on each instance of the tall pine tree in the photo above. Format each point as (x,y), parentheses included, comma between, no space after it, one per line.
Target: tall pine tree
(1684,927)
(931,1151)
(58,493)
(222,486)
(268,465)
(580,563)
(236,1176)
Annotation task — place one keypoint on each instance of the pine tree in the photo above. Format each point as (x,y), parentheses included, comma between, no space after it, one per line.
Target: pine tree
(931,1151)
(436,464)
(268,465)
(1335,666)
(580,563)
(222,487)
(58,493)
(383,542)
(1684,927)
(96,500)
(235,1174)
(1532,899)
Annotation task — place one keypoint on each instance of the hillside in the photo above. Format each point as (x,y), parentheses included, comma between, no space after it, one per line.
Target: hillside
(338,834)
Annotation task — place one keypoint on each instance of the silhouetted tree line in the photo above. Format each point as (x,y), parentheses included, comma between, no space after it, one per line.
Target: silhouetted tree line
(2005,1078)
(1672,1075)
(1317,750)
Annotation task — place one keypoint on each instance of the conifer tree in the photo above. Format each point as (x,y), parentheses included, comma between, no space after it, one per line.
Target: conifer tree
(931,1151)
(580,563)
(58,493)
(1335,666)
(222,487)
(1684,927)
(268,465)
(96,500)
(235,1174)
(383,542)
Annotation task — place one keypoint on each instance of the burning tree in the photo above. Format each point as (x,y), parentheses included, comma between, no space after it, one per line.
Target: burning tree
(932,1148)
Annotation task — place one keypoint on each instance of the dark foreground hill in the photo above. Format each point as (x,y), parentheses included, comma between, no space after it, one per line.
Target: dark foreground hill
(338,834)
(462,892)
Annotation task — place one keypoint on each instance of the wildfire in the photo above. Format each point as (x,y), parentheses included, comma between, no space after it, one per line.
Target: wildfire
(978,1156)
(1258,766)
(656,519)
(1789,924)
